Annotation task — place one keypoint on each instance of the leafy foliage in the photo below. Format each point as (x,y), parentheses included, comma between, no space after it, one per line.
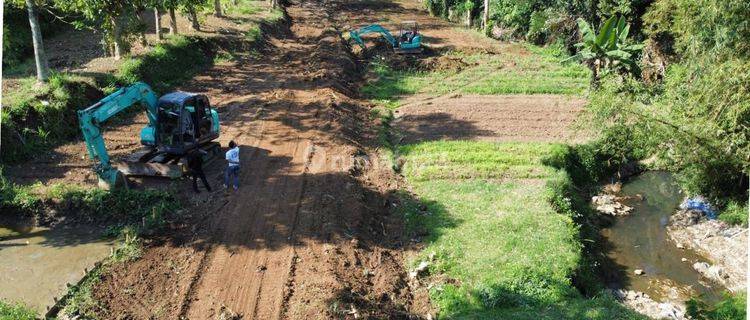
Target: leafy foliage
(36,117)
(607,49)
(15,311)
(735,213)
(168,64)
(702,27)
(729,308)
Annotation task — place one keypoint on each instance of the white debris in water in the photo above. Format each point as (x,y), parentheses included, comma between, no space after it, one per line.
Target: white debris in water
(608,204)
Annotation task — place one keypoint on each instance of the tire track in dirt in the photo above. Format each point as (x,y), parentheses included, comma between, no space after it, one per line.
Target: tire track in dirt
(252,281)
(305,236)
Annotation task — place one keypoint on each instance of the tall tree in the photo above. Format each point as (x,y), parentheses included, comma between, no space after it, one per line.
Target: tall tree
(486,14)
(191,7)
(172,21)
(112,15)
(157,22)
(193,17)
(42,68)
(141,27)
(217,8)
(469,7)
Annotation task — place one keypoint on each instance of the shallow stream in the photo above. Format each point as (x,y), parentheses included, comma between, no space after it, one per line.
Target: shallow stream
(640,241)
(36,264)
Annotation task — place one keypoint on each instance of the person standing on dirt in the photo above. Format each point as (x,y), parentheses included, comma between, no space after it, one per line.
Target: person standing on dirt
(233,165)
(195,164)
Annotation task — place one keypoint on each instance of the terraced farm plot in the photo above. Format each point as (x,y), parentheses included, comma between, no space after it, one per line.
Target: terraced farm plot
(511,69)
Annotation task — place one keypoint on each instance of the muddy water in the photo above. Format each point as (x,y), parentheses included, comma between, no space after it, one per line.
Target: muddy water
(37,263)
(640,241)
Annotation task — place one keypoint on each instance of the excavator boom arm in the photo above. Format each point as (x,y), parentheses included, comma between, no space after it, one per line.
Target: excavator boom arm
(374,28)
(91,118)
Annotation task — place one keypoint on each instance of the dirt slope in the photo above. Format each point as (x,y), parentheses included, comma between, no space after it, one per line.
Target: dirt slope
(308,235)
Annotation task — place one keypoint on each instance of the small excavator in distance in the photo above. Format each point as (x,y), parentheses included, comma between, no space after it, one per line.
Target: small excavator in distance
(178,123)
(409,39)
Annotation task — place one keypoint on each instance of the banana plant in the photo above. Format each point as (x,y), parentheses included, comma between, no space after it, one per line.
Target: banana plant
(607,49)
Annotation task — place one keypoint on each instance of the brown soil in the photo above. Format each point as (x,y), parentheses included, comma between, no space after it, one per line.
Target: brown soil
(492,118)
(309,233)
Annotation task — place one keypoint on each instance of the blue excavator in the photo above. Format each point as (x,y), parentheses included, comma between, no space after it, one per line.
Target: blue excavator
(409,39)
(178,123)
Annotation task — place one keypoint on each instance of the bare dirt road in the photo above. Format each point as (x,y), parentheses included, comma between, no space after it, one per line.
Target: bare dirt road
(309,234)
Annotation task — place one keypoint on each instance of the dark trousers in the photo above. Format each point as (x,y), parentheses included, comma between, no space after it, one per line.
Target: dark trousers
(196,174)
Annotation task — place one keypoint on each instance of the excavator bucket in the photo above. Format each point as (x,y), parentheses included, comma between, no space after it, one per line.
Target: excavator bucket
(406,50)
(117,181)
(146,163)
(166,170)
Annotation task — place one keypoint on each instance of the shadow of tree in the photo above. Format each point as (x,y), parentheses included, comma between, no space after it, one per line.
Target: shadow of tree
(437,126)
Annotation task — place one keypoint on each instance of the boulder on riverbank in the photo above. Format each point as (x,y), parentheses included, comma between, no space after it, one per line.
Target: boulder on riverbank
(643,304)
(725,246)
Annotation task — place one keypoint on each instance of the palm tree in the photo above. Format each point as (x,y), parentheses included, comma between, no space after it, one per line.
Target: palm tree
(608,49)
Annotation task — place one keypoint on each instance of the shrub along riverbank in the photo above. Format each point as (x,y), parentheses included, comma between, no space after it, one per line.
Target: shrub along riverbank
(144,210)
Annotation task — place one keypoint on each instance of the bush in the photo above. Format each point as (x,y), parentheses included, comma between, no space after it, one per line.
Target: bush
(735,213)
(35,118)
(729,308)
(716,28)
(17,311)
(693,124)
(147,209)
(537,33)
(517,15)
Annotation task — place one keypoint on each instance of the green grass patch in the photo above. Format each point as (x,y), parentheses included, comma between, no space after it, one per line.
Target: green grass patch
(245,7)
(168,64)
(735,213)
(494,220)
(16,311)
(253,34)
(36,117)
(537,71)
(731,307)
(472,160)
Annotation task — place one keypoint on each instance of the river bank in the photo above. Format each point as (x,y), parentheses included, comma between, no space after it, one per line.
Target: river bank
(723,246)
(661,256)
